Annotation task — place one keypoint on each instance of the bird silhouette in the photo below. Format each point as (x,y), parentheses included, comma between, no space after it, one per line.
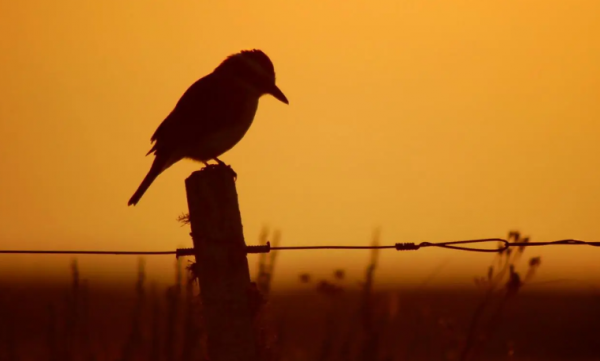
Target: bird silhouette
(213,114)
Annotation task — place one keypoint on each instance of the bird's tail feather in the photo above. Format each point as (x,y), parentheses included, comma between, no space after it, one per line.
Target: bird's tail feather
(158,166)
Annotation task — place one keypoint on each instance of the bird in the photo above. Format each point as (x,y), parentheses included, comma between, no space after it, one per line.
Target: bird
(213,114)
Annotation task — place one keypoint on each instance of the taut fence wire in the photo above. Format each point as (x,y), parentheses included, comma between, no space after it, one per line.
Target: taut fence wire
(502,245)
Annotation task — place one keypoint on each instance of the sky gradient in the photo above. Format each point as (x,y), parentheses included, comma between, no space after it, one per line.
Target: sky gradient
(434,120)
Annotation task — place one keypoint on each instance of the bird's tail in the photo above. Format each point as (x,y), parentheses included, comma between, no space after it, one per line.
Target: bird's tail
(158,166)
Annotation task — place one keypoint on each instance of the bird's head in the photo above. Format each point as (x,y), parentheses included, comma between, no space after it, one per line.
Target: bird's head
(254,70)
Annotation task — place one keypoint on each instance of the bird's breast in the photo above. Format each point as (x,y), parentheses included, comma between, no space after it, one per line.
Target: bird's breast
(226,137)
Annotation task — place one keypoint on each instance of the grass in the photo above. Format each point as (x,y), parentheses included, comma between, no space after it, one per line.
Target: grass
(331,319)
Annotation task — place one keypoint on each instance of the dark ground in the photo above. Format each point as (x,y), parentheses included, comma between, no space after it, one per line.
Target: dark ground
(77,323)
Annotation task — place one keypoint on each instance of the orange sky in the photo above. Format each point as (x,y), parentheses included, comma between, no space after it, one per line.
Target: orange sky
(436,120)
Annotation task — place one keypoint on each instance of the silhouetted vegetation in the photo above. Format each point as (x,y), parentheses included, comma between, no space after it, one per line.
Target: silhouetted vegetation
(326,319)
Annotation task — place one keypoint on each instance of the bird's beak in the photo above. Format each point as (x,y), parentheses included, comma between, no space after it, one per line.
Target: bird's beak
(278,94)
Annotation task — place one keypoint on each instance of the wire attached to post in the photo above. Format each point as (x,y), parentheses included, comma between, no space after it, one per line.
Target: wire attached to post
(259,248)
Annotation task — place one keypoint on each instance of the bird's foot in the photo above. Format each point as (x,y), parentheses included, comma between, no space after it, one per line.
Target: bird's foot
(221,163)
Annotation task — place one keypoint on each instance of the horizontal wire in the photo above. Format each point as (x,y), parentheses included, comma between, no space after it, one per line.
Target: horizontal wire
(398,246)
(151,253)
(294,248)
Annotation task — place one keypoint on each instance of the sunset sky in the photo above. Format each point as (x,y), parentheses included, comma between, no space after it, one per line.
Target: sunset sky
(435,120)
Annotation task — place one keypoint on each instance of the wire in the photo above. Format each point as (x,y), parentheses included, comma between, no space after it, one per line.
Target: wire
(503,245)
(150,253)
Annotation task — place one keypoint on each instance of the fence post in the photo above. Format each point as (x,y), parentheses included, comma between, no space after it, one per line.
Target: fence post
(221,262)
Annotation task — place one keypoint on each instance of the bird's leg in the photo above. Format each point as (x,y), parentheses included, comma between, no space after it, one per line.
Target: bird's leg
(221,163)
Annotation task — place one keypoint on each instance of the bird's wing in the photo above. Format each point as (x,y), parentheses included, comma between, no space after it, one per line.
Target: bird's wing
(204,108)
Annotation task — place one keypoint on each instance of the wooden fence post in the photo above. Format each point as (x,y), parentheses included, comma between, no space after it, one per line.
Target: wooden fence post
(221,262)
